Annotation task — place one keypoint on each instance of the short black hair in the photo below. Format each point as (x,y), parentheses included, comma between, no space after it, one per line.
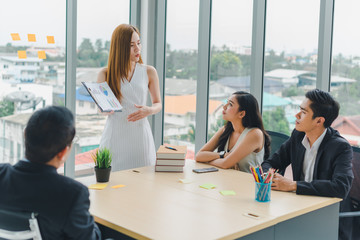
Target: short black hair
(48,131)
(323,105)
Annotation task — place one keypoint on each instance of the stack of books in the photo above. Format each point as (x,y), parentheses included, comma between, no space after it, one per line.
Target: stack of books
(170,158)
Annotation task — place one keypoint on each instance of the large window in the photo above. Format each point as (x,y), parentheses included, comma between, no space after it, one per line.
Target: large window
(345,76)
(94,30)
(181,73)
(292,29)
(230,55)
(32,66)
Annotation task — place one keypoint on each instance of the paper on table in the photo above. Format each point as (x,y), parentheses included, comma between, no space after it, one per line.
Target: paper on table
(118,186)
(227,192)
(208,186)
(184,180)
(98,186)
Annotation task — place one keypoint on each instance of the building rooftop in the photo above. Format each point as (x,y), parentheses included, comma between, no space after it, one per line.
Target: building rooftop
(243,84)
(285,73)
(177,86)
(17,59)
(86,75)
(81,95)
(181,105)
(86,125)
(270,100)
(347,125)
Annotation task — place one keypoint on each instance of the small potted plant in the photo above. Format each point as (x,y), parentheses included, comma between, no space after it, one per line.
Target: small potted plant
(102,159)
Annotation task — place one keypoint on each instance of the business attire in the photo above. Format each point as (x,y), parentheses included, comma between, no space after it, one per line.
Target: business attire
(252,159)
(332,168)
(131,143)
(332,175)
(62,203)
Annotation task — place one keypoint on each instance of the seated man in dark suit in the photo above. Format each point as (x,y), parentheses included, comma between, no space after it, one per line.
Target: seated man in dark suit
(320,158)
(33,184)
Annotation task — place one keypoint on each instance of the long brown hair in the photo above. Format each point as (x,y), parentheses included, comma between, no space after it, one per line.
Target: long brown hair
(119,57)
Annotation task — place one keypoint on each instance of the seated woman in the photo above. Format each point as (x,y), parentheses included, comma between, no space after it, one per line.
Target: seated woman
(242,141)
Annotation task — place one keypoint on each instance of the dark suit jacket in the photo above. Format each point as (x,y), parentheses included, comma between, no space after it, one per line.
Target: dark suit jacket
(61,202)
(332,171)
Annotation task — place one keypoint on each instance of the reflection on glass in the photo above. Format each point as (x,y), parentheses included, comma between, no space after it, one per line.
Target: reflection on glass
(290,60)
(230,55)
(181,73)
(95,26)
(345,76)
(34,77)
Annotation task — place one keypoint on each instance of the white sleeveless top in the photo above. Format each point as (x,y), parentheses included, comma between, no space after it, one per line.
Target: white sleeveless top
(131,143)
(252,159)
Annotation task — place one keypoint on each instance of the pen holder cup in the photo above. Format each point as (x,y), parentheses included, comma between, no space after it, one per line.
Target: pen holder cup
(263,192)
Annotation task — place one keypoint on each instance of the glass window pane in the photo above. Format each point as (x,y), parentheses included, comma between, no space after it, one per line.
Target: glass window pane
(34,77)
(181,73)
(230,55)
(345,76)
(290,60)
(94,30)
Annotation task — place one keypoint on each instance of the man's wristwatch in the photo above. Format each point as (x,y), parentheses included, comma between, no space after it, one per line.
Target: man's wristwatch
(222,154)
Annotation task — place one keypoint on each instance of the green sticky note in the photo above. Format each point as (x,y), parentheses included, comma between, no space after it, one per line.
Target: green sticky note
(227,192)
(208,186)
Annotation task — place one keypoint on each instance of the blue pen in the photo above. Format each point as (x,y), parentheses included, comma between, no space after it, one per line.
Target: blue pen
(259,174)
(171,148)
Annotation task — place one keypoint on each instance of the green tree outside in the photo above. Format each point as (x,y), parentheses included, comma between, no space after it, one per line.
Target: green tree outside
(6,108)
(223,64)
(275,120)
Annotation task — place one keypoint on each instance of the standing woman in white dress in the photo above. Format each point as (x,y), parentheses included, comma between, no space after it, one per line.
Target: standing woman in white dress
(128,134)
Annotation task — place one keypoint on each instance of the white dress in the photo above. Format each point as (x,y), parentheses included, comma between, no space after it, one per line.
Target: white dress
(253,159)
(131,143)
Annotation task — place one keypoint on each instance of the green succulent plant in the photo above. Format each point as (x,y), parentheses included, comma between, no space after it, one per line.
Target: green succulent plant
(102,158)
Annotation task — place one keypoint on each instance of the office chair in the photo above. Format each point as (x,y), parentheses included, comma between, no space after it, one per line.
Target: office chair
(277,139)
(350,207)
(18,225)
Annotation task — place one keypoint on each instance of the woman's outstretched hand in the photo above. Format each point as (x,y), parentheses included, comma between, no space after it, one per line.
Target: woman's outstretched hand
(142,112)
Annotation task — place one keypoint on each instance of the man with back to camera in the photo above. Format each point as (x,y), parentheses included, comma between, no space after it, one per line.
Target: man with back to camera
(34,185)
(320,158)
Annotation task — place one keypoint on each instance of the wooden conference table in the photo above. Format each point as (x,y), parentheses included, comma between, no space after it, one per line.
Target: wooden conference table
(158,206)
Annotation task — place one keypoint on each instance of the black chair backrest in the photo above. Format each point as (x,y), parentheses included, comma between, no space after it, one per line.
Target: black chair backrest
(355,188)
(277,139)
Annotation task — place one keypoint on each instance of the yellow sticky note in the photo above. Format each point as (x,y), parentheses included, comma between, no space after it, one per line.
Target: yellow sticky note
(31,38)
(41,54)
(22,54)
(118,186)
(15,36)
(185,180)
(227,192)
(208,186)
(50,39)
(98,186)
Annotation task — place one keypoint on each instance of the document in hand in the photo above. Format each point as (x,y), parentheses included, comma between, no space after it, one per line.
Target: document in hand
(103,96)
